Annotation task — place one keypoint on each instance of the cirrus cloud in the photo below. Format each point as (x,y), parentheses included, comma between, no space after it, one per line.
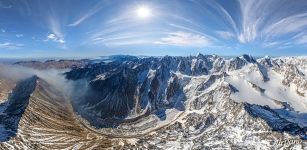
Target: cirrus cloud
(180,38)
(9,45)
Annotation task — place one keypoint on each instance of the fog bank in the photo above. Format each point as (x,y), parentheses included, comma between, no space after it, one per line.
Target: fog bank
(53,77)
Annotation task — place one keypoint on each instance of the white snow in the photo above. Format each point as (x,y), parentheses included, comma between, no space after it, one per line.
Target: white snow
(274,90)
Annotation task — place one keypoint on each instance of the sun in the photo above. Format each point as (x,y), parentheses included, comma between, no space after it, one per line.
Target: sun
(143,12)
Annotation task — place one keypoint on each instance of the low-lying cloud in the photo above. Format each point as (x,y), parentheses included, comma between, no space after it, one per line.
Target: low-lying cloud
(55,78)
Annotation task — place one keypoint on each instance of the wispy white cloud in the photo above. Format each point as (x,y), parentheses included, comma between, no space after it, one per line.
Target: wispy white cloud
(186,20)
(251,12)
(19,35)
(125,38)
(187,29)
(111,31)
(55,26)
(278,44)
(120,37)
(302,40)
(56,34)
(53,37)
(286,25)
(88,14)
(270,44)
(127,42)
(184,39)
(225,34)
(264,21)
(224,15)
(8,45)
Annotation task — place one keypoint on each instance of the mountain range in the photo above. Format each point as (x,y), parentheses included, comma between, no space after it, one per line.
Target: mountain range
(130,102)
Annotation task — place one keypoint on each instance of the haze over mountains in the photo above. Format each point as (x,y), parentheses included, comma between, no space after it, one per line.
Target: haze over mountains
(194,102)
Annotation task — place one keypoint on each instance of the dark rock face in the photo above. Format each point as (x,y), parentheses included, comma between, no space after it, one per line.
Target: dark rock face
(240,62)
(263,72)
(131,89)
(113,95)
(267,62)
(275,121)
(12,110)
(248,58)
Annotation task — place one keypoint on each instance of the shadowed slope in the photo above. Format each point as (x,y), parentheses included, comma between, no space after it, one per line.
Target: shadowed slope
(12,110)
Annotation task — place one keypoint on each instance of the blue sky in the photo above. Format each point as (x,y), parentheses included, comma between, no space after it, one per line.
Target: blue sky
(86,28)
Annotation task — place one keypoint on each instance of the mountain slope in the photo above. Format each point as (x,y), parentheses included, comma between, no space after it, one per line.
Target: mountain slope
(48,122)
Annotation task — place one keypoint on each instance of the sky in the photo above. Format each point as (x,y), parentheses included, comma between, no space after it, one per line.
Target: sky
(89,28)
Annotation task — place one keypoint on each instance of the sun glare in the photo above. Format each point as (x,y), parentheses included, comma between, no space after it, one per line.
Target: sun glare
(143,12)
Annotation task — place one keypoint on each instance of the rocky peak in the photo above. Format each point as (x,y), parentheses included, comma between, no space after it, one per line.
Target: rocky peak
(248,58)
